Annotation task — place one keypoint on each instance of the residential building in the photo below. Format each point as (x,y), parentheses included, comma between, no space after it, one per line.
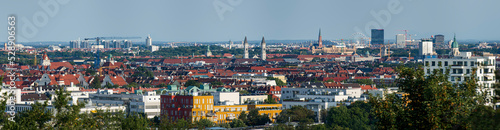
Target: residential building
(463,66)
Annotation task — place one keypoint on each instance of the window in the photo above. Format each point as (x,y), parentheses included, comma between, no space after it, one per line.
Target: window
(465,63)
(433,63)
(426,63)
(468,71)
(446,63)
(472,63)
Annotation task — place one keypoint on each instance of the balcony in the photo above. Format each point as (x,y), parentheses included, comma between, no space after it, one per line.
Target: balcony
(230,118)
(210,114)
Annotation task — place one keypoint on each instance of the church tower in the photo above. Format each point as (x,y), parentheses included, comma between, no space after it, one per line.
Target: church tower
(263,46)
(245,46)
(45,59)
(455,51)
(209,53)
(320,41)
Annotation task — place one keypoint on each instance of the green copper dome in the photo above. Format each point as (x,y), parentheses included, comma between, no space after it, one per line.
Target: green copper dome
(455,43)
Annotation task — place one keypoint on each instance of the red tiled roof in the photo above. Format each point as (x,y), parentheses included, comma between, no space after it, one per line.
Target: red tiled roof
(55,65)
(118,80)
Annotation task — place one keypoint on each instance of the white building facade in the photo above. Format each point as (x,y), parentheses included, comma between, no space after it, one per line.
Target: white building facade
(462,66)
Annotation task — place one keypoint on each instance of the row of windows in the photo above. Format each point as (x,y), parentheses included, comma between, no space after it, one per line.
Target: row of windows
(454,63)
(231,109)
(186,101)
(460,71)
(459,63)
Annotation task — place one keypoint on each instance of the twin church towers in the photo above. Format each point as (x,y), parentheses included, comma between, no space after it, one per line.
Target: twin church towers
(262,45)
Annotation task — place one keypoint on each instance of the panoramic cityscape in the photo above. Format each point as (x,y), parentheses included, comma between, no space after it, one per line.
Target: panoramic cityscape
(236,64)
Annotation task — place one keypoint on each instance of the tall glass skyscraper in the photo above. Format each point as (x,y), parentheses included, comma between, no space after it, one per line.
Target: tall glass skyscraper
(377,36)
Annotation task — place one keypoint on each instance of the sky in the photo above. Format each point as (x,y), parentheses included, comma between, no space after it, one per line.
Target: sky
(223,20)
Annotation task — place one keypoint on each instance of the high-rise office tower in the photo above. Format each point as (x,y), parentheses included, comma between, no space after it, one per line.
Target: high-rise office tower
(425,47)
(377,36)
(263,46)
(400,41)
(74,44)
(439,40)
(127,44)
(117,44)
(148,41)
(245,46)
(84,44)
(106,44)
(320,41)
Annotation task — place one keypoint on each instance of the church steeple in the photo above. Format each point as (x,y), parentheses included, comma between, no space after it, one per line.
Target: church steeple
(45,59)
(209,53)
(263,54)
(455,51)
(455,43)
(245,46)
(320,41)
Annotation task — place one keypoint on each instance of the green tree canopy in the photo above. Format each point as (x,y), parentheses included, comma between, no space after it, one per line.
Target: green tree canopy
(428,102)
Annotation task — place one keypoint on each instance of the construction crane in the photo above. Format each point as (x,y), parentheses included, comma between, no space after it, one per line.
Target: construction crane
(97,61)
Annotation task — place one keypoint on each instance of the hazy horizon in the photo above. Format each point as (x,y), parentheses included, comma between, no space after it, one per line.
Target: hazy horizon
(223,20)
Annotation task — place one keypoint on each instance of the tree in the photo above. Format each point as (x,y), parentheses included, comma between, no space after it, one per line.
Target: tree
(204,123)
(429,102)
(132,85)
(162,85)
(296,114)
(224,125)
(254,118)
(243,116)
(330,80)
(34,118)
(216,83)
(270,100)
(244,92)
(165,123)
(96,83)
(192,83)
(484,118)
(237,123)
(353,118)
(364,81)
(108,85)
(66,114)
(182,124)
(135,121)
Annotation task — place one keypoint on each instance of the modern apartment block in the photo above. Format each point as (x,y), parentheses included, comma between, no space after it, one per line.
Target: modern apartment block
(193,107)
(462,66)
(147,103)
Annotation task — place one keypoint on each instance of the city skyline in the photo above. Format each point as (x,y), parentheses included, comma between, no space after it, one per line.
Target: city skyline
(220,20)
